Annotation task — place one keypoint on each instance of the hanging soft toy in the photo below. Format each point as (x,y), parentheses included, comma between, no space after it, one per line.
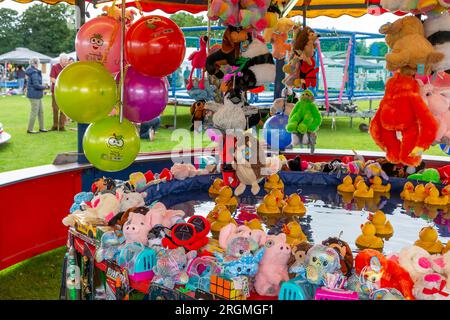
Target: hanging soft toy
(302,71)
(437,31)
(228,53)
(304,121)
(198,113)
(404,126)
(198,60)
(278,37)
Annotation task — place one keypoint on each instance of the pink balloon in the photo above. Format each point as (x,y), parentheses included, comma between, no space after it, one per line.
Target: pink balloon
(100,38)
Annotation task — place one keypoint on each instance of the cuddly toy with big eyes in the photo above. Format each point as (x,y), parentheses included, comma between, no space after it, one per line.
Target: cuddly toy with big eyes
(344,251)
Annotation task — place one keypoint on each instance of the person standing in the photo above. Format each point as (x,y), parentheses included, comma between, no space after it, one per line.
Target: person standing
(35,92)
(20,78)
(59,118)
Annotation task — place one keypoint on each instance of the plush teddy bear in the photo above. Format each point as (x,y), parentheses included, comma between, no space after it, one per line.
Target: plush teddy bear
(410,48)
(278,36)
(198,113)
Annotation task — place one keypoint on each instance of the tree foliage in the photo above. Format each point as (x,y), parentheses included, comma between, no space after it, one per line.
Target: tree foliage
(42,28)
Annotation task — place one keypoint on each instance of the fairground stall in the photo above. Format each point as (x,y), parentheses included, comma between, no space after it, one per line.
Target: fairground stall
(261,213)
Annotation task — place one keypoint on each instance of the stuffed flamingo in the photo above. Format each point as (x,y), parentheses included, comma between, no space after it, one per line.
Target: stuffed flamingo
(198,61)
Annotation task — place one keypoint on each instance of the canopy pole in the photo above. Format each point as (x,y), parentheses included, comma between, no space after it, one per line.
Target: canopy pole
(122,62)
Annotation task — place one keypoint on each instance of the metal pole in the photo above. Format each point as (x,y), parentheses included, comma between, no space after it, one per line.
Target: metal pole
(122,63)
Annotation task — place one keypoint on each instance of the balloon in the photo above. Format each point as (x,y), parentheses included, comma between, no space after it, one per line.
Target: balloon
(98,39)
(85,91)
(155,46)
(110,145)
(276,126)
(145,97)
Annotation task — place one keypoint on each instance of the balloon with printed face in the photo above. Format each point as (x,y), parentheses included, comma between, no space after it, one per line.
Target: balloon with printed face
(145,97)
(99,40)
(110,145)
(155,46)
(85,91)
(275,132)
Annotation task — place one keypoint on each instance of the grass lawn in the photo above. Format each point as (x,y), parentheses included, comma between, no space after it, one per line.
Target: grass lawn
(39,277)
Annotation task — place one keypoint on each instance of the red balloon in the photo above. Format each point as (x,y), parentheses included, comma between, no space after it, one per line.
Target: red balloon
(155,46)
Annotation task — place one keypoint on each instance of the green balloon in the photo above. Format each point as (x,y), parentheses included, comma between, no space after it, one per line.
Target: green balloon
(110,145)
(85,91)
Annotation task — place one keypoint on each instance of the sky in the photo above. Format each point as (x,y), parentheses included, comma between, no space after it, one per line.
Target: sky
(367,23)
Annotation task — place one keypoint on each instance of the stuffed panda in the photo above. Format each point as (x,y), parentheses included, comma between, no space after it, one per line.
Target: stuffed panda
(437,31)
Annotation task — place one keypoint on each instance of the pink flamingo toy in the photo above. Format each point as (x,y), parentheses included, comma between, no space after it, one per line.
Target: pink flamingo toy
(198,61)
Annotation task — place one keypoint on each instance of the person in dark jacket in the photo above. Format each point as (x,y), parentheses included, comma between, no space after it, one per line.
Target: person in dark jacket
(35,92)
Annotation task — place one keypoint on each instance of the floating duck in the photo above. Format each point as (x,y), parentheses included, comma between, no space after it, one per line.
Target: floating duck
(346,185)
(214,213)
(428,240)
(362,191)
(347,197)
(368,238)
(226,198)
(254,224)
(294,233)
(279,196)
(214,189)
(434,198)
(446,190)
(273,182)
(357,180)
(269,206)
(294,206)
(408,189)
(446,248)
(382,224)
(377,185)
(419,194)
(223,218)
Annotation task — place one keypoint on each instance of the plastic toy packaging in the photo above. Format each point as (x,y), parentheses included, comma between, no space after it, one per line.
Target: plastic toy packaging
(109,246)
(200,271)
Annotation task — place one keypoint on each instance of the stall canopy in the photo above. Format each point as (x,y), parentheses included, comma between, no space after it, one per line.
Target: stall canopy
(22,56)
(314,8)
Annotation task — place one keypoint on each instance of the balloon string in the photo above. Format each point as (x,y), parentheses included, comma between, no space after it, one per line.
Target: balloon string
(111,42)
(122,63)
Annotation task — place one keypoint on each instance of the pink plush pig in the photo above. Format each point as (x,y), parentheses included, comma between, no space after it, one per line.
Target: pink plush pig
(273,268)
(231,231)
(159,214)
(137,227)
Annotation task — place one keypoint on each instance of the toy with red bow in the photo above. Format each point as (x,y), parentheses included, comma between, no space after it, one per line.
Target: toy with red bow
(191,235)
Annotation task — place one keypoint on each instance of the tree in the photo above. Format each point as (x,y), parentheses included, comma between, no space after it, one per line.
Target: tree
(9,37)
(48,29)
(183,19)
(378,48)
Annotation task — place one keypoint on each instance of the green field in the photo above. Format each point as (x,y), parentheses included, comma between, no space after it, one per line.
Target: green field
(25,150)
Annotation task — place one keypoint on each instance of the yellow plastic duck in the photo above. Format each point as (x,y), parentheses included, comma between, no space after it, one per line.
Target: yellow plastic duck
(434,198)
(223,218)
(279,196)
(294,233)
(428,240)
(357,180)
(382,224)
(408,189)
(346,185)
(254,224)
(226,198)
(294,206)
(362,191)
(368,238)
(214,213)
(273,182)
(446,248)
(269,205)
(214,189)
(377,185)
(419,194)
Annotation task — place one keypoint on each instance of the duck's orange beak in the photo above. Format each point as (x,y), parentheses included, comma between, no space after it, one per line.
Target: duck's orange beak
(215,214)
(370,217)
(285,229)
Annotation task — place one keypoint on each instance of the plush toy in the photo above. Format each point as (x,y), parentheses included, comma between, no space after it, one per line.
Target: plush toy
(138,225)
(231,231)
(444,174)
(132,199)
(226,11)
(228,53)
(191,235)
(418,262)
(182,171)
(206,94)
(383,273)
(409,47)
(298,256)
(278,36)
(221,113)
(273,266)
(280,105)
(439,106)
(256,65)
(103,206)
(252,165)
(103,184)
(403,112)
(344,251)
(373,169)
(81,201)
(253,13)
(171,266)
(304,121)
(432,286)
(198,113)
(437,32)
(198,61)
(160,215)
(428,175)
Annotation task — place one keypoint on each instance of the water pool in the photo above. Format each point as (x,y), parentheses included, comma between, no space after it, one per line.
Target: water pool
(329,214)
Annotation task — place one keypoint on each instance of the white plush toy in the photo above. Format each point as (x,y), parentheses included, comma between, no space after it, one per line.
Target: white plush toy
(227,115)
(437,30)
(132,199)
